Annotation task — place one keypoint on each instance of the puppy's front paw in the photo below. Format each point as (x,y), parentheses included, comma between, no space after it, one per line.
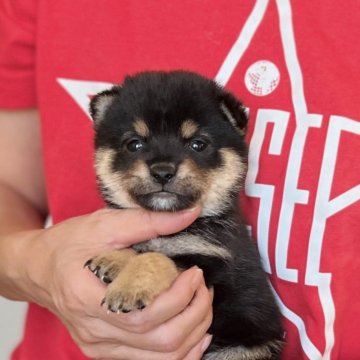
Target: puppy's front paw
(108,265)
(141,280)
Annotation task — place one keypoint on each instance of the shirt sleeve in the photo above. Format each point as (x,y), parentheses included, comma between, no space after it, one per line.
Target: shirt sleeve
(17,54)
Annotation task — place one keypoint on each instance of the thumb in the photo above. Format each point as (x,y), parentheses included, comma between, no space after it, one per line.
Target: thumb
(135,225)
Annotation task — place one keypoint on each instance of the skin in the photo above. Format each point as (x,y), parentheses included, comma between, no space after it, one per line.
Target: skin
(46,266)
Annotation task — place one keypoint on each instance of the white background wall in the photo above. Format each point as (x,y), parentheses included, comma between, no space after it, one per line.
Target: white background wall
(11,324)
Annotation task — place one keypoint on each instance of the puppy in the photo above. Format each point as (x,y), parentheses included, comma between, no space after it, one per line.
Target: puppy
(166,142)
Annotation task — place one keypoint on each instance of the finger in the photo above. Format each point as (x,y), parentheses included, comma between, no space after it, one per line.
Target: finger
(195,344)
(181,332)
(195,320)
(169,347)
(198,350)
(122,352)
(140,225)
(130,226)
(169,223)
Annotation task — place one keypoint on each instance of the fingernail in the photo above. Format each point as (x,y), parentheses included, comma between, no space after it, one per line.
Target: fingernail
(197,277)
(206,343)
(211,290)
(191,210)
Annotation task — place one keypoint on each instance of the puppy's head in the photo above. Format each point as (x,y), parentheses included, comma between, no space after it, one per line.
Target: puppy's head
(167,141)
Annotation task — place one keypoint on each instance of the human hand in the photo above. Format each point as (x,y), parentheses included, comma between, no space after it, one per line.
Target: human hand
(173,327)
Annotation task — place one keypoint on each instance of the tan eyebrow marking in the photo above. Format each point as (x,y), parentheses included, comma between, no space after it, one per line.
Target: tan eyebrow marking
(141,128)
(188,129)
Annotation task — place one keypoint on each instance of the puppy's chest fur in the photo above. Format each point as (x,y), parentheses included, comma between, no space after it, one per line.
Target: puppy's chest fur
(201,238)
(167,142)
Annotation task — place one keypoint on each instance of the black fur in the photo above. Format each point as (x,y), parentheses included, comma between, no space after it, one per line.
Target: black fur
(245,313)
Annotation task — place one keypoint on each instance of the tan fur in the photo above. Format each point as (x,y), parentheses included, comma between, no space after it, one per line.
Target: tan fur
(191,176)
(111,262)
(241,353)
(220,180)
(143,278)
(102,105)
(184,244)
(232,120)
(138,170)
(188,129)
(189,170)
(115,182)
(214,185)
(141,128)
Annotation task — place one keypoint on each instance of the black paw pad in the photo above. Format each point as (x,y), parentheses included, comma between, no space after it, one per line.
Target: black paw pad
(106,279)
(87,264)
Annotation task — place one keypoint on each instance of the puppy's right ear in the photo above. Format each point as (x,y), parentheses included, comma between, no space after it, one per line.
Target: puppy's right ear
(101,102)
(234,111)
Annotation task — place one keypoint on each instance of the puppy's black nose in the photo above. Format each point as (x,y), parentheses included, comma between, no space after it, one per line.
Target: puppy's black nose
(162,172)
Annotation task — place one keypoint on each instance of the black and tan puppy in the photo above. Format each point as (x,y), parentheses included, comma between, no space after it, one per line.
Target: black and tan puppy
(165,142)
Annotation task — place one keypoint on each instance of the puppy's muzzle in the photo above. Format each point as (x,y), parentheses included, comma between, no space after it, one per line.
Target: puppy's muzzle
(163,172)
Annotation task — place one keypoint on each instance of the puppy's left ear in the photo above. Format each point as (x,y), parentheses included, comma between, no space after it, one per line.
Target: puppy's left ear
(234,111)
(101,102)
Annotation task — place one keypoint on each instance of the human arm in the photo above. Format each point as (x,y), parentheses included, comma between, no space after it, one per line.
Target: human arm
(22,194)
(44,266)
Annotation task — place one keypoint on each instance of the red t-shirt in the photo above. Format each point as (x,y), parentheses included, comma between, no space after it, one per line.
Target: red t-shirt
(296,67)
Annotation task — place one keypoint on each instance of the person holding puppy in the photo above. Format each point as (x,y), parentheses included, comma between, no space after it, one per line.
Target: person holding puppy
(293,64)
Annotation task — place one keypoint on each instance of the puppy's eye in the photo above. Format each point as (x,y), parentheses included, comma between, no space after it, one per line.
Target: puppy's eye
(198,145)
(135,145)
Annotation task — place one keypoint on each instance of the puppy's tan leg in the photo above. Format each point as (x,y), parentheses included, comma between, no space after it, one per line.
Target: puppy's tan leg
(143,278)
(108,265)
